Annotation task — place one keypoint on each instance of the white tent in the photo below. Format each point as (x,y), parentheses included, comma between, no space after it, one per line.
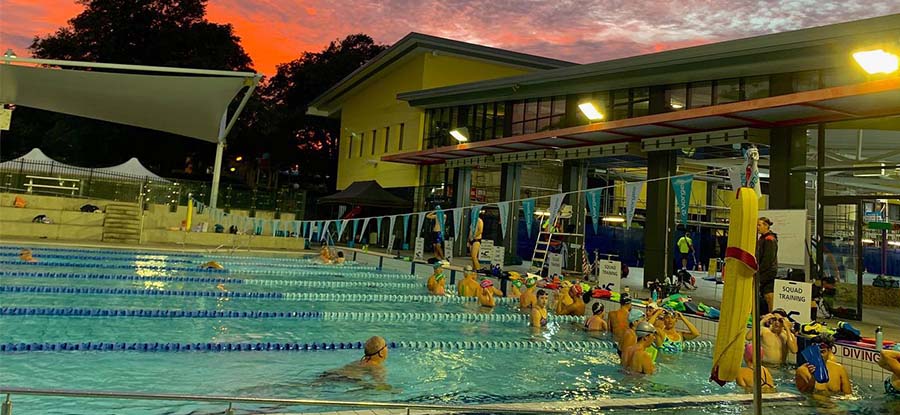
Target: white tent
(35,161)
(189,102)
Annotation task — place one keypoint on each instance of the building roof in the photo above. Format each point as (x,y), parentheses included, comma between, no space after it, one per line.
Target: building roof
(780,52)
(330,101)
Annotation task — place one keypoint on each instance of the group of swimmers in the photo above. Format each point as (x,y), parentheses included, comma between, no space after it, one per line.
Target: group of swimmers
(328,257)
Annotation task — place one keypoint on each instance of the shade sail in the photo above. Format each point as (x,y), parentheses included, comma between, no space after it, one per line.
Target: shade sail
(368,193)
(192,106)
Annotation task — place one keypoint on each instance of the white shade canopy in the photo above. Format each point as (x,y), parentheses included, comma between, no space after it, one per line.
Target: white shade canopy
(191,103)
(35,161)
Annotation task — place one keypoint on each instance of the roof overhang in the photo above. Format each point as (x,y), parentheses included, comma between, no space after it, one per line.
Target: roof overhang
(189,102)
(868,99)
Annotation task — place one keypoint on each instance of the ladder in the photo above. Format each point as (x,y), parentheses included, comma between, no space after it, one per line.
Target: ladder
(542,244)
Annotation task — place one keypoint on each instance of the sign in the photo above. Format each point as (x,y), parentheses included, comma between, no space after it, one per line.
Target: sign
(448,248)
(874,217)
(554,264)
(419,252)
(682,187)
(5,118)
(487,249)
(497,256)
(791,227)
(795,298)
(610,275)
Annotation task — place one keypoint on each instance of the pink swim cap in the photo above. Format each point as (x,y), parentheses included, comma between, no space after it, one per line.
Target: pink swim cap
(748,352)
(486,283)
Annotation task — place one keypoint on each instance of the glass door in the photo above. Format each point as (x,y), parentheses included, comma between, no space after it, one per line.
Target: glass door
(840,260)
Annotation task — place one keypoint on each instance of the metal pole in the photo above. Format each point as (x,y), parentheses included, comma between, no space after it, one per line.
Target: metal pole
(6,409)
(757,365)
(217,174)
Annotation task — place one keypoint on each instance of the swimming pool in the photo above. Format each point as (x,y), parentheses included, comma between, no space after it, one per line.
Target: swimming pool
(444,350)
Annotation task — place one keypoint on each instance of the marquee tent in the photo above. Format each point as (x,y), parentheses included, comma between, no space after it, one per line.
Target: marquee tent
(37,162)
(189,102)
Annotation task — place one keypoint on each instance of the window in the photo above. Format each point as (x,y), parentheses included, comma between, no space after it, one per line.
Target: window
(728,90)
(362,143)
(676,97)
(387,137)
(350,145)
(700,94)
(400,139)
(640,102)
(538,114)
(805,81)
(756,87)
(374,140)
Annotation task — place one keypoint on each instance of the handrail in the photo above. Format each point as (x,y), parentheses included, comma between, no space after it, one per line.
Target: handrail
(293,402)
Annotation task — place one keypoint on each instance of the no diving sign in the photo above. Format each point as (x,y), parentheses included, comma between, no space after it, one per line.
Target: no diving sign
(795,298)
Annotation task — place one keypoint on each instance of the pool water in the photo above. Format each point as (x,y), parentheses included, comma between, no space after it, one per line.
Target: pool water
(425,374)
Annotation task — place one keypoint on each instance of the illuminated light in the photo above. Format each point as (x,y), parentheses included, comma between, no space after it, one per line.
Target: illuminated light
(894,243)
(232,169)
(675,105)
(877,61)
(239,158)
(868,241)
(460,134)
(613,219)
(590,111)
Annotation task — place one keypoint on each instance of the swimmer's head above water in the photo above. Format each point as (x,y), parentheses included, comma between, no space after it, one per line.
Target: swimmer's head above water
(375,350)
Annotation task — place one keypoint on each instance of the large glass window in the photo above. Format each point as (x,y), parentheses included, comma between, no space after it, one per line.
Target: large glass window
(756,87)
(728,90)
(806,81)
(676,97)
(700,94)
(538,114)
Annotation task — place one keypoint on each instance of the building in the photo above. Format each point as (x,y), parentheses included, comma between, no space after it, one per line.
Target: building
(827,130)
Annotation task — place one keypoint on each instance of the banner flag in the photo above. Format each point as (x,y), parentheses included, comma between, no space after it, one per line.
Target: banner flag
(503,207)
(682,187)
(632,192)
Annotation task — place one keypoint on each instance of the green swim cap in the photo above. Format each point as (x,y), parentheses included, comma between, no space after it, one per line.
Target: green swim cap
(517,283)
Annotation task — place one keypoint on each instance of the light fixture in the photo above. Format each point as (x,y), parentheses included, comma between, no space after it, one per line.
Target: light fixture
(460,134)
(894,243)
(238,158)
(675,105)
(613,219)
(232,169)
(878,168)
(868,241)
(876,61)
(590,111)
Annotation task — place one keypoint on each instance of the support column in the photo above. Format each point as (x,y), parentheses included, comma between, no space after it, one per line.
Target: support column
(510,189)
(462,184)
(575,178)
(217,175)
(660,213)
(787,149)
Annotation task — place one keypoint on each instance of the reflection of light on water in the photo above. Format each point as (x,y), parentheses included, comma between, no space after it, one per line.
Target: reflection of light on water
(153,285)
(150,272)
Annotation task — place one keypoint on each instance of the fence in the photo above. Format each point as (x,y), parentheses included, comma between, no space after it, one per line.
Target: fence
(120,187)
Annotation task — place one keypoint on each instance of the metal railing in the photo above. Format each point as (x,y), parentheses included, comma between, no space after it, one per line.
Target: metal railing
(121,187)
(231,400)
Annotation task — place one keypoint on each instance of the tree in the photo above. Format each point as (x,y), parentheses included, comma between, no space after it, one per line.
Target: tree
(142,32)
(312,141)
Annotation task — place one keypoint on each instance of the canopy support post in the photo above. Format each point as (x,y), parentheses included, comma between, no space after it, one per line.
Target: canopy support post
(217,167)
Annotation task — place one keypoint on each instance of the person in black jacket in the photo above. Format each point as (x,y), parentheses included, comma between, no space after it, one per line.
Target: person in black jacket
(767,258)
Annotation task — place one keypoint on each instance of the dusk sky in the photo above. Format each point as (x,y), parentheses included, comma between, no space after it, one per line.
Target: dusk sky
(276,31)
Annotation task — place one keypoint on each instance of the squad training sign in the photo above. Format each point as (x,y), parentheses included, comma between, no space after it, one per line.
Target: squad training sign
(795,298)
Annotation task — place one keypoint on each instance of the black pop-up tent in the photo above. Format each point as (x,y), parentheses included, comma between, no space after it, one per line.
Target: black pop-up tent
(366,194)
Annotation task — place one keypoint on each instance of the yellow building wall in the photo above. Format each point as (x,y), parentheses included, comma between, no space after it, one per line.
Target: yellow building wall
(374,106)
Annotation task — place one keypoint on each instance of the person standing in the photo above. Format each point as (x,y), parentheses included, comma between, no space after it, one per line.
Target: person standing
(475,241)
(685,247)
(767,257)
(437,232)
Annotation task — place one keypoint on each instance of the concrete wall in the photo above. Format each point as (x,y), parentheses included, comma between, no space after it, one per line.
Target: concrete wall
(68,221)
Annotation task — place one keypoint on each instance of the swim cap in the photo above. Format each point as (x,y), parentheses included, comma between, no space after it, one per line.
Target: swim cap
(644,329)
(624,299)
(577,289)
(486,283)
(597,307)
(437,265)
(517,283)
(748,352)
(635,315)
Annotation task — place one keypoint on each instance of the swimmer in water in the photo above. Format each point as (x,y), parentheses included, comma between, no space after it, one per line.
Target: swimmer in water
(673,340)
(369,370)
(486,294)
(838,381)
(576,305)
(25,255)
(325,255)
(890,360)
(437,280)
(340,258)
(745,374)
(515,285)
(528,297)
(212,265)
(468,287)
(636,358)
(596,323)
(539,311)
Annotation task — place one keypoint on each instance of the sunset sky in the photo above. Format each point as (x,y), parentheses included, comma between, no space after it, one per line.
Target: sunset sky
(275,31)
